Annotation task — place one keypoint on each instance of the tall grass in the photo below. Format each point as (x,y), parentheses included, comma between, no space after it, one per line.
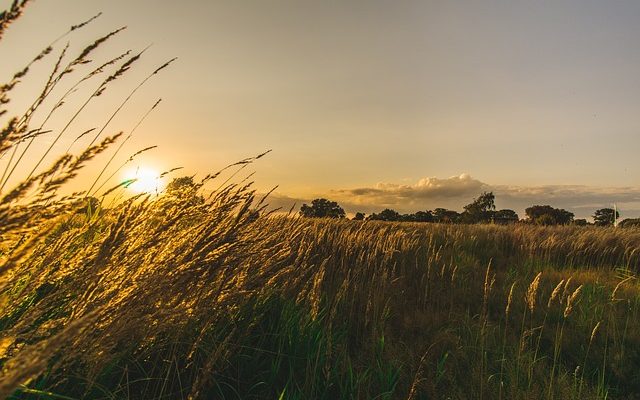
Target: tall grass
(190,295)
(212,302)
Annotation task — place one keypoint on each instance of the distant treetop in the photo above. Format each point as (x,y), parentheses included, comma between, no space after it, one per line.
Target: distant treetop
(322,208)
(605,216)
(547,215)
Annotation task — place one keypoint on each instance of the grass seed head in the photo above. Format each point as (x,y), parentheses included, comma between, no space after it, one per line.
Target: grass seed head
(555,293)
(509,300)
(572,301)
(532,292)
(594,332)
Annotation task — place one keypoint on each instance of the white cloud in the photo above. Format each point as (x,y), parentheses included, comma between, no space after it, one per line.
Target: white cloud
(426,192)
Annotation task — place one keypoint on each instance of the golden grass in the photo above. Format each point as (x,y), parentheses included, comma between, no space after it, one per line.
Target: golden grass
(150,271)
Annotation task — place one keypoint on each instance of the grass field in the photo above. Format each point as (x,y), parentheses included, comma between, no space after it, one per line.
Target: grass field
(172,298)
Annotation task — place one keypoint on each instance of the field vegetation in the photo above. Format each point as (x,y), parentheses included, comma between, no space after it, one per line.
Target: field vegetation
(202,293)
(213,303)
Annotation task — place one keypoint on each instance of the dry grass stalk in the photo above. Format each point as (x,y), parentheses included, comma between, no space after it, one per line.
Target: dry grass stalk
(572,301)
(565,291)
(555,293)
(509,300)
(618,286)
(594,332)
(532,292)
(13,13)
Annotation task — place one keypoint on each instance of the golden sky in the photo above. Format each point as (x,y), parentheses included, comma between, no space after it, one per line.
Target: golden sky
(407,104)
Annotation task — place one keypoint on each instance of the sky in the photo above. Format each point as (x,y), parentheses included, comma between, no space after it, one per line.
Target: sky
(404,104)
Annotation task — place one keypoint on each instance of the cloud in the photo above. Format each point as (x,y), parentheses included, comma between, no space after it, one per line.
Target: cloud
(425,192)
(582,200)
(456,191)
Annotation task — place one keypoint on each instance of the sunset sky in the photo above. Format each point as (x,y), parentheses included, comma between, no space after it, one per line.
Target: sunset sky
(406,104)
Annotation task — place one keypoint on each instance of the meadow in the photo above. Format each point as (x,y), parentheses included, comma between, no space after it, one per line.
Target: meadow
(201,292)
(213,303)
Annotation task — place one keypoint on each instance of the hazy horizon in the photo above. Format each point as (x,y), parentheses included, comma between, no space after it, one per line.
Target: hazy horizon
(408,105)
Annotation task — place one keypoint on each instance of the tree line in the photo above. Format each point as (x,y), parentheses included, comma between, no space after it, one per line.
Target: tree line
(481,210)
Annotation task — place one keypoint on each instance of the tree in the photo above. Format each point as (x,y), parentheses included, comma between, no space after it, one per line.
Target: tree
(419,216)
(563,217)
(182,184)
(505,217)
(422,216)
(630,223)
(605,216)
(385,215)
(322,208)
(545,220)
(445,216)
(580,222)
(358,217)
(480,209)
(185,189)
(547,215)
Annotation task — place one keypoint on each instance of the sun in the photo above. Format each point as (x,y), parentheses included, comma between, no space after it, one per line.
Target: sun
(144,180)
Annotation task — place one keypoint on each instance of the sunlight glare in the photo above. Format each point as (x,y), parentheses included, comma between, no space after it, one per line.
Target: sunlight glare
(147,180)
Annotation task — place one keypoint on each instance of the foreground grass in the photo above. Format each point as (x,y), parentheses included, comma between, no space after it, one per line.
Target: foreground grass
(171,298)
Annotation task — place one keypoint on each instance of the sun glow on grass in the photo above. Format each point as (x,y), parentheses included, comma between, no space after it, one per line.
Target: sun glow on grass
(144,180)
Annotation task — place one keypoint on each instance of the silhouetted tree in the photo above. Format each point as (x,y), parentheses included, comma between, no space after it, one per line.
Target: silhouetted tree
(358,217)
(580,222)
(322,208)
(504,216)
(564,217)
(184,188)
(480,209)
(184,183)
(630,223)
(547,215)
(605,216)
(422,216)
(385,215)
(445,216)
